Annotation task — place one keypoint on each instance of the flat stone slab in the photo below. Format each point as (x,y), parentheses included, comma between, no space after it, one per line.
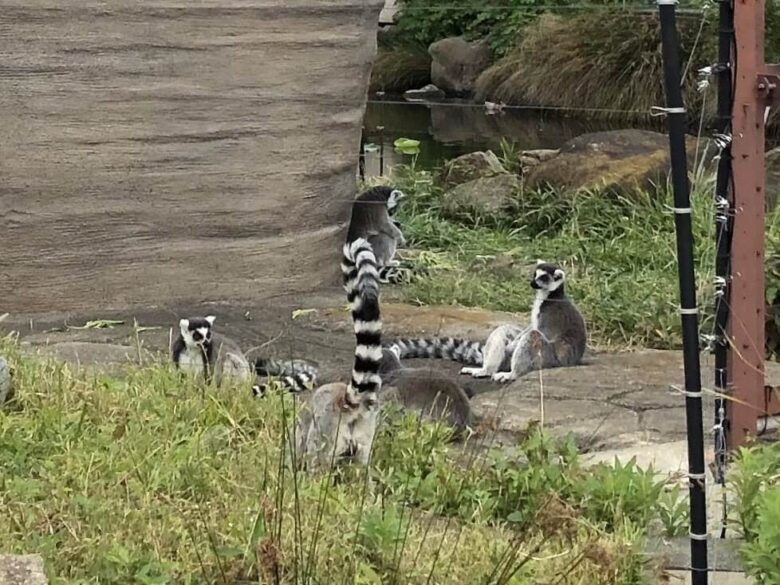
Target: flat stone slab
(22,570)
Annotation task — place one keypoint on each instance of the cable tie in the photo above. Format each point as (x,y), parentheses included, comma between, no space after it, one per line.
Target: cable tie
(661,111)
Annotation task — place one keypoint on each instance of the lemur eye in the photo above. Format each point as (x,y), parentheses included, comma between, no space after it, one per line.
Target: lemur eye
(197,336)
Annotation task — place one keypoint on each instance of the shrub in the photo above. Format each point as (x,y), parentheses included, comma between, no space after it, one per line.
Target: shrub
(755,481)
(600,59)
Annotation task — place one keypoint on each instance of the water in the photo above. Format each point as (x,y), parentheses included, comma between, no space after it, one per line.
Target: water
(451,128)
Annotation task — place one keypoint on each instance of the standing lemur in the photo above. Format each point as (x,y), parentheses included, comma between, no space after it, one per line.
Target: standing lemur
(371,219)
(339,422)
(556,337)
(200,350)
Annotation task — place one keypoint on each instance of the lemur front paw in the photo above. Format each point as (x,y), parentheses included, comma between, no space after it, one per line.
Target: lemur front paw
(475,372)
(503,377)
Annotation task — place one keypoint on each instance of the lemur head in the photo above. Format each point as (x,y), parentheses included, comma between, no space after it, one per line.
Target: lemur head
(197,331)
(383,194)
(547,277)
(394,200)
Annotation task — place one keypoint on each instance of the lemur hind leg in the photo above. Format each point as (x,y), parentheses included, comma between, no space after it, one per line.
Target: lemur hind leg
(533,352)
(495,351)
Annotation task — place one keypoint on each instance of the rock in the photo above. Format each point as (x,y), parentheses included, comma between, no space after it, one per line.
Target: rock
(484,196)
(619,160)
(456,64)
(471,166)
(429,92)
(541,154)
(22,570)
(772,190)
(6,382)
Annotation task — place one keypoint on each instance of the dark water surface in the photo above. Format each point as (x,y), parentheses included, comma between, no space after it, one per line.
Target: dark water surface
(451,128)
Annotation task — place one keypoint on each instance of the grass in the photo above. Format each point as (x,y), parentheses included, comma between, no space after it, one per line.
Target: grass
(141,478)
(601,59)
(398,68)
(619,253)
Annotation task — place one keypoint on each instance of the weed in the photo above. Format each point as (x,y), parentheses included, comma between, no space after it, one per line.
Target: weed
(619,253)
(142,478)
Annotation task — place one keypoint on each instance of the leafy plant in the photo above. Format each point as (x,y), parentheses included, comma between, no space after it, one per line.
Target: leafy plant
(762,553)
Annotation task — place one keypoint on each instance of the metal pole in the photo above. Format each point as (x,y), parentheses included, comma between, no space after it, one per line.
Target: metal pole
(677,122)
(746,322)
(723,212)
(381,150)
(362,157)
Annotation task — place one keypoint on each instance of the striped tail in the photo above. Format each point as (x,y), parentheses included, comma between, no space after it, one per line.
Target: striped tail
(273,367)
(295,382)
(452,348)
(361,282)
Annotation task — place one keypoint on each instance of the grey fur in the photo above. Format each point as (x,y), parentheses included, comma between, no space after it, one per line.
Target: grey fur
(427,390)
(371,220)
(216,358)
(6,381)
(556,337)
(333,430)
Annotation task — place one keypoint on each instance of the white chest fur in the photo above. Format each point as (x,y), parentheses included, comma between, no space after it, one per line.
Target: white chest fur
(536,309)
(191,360)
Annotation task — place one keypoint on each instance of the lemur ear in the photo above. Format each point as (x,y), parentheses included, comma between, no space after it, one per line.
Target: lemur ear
(184,324)
(559,274)
(211,319)
(538,262)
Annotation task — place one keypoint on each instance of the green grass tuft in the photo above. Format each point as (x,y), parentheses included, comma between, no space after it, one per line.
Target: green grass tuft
(143,478)
(619,254)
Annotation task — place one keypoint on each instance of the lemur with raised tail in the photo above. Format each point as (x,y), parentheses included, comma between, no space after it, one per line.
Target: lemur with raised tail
(339,422)
(556,337)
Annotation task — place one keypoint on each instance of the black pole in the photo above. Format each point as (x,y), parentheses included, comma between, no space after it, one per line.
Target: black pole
(675,111)
(362,156)
(381,150)
(723,207)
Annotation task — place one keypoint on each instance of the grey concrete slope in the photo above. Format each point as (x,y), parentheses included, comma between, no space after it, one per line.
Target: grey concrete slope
(162,152)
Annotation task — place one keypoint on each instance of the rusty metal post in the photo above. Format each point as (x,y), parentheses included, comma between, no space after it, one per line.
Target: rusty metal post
(746,322)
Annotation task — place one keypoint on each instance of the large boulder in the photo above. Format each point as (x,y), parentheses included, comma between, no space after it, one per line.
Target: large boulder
(468,167)
(772,178)
(483,196)
(618,160)
(456,64)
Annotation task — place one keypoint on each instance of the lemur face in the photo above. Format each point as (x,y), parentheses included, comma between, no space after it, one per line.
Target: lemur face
(394,199)
(547,277)
(197,331)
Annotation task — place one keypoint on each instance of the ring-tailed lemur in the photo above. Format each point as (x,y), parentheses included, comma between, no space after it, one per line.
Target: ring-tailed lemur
(371,219)
(429,391)
(200,350)
(339,422)
(556,337)
(295,374)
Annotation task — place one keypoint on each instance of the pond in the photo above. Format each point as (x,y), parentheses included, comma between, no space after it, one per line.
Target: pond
(453,127)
